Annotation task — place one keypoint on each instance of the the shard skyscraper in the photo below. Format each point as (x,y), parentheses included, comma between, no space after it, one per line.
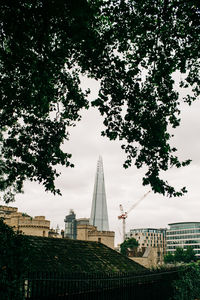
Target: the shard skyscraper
(99,212)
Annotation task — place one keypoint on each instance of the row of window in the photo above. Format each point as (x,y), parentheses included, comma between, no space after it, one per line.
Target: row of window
(183,242)
(158,235)
(182,231)
(185,226)
(183,245)
(155,238)
(152,231)
(148,243)
(172,251)
(184,237)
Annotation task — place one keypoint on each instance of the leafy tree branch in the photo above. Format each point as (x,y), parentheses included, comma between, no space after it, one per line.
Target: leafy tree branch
(132,47)
(128,246)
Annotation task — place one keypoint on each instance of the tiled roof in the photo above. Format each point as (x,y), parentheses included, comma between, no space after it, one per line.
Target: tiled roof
(64,255)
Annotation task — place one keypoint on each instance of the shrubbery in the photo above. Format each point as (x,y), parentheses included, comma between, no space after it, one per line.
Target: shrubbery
(14,255)
(128,246)
(187,287)
(181,255)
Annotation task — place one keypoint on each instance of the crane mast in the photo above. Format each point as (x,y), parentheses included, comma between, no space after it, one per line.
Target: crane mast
(124,215)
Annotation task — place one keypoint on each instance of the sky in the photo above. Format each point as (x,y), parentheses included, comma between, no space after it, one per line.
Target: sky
(122,186)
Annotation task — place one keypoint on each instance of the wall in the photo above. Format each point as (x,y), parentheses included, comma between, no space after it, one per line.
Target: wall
(7,209)
(152,257)
(90,233)
(37,226)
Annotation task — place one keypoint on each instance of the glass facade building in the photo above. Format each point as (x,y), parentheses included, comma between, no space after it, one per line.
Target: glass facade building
(182,235)
(99,212)
(71,226)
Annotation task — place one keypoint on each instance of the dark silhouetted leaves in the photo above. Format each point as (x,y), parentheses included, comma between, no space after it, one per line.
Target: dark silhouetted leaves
(132,47)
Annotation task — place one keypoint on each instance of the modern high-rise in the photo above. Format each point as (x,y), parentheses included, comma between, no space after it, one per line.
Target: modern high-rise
(99,213)
(70,225)
(182,235)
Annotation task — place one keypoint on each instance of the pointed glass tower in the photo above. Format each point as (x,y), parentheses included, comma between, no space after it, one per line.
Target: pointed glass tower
(99,213)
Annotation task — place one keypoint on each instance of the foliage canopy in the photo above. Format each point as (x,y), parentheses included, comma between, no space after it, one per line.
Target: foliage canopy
(187,286)
(14,257)
(128,245)
(132,47)
(181,255)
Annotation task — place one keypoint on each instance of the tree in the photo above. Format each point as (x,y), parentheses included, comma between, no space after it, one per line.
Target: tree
(190,255)
(128,246)
(15,253)
(187,286)
(169,258)
(132,47)
(181,255)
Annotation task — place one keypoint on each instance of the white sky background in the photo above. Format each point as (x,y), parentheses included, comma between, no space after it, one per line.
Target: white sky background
(122,186)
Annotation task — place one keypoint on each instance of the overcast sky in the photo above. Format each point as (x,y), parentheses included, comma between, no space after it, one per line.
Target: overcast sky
(122,186)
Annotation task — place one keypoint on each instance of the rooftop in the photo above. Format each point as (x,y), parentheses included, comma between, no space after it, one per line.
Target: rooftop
(182,223)
(65,255)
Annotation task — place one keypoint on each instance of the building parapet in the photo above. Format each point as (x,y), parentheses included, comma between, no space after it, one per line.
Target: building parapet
(102,233)
(39,218)
(8,209)
(24,223)
(34,222)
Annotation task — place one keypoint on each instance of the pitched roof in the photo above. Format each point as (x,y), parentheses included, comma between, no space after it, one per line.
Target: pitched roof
(64,255)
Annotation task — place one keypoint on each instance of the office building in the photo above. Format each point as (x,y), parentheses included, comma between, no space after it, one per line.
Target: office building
(182,235)
(152,246)
(70,226)
(148,237)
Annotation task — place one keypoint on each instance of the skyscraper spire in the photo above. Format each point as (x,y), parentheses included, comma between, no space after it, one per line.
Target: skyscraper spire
(99,213)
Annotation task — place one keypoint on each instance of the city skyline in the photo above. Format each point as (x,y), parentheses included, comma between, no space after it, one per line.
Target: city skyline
(122,186)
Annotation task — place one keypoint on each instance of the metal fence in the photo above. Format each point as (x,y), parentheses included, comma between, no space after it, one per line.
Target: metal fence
(61,286)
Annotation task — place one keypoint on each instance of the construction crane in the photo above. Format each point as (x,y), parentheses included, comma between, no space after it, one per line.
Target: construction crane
(124,215)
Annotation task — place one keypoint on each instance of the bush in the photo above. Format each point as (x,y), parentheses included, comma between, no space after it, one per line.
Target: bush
(128,246)
(187,287)
(181,255)
(14,251)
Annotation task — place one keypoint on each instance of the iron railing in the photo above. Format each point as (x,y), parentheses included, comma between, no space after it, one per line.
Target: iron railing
(61,286)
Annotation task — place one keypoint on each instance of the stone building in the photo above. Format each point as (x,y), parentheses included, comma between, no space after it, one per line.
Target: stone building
(54,233)
(150,258)
(87,232)
(37,226)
